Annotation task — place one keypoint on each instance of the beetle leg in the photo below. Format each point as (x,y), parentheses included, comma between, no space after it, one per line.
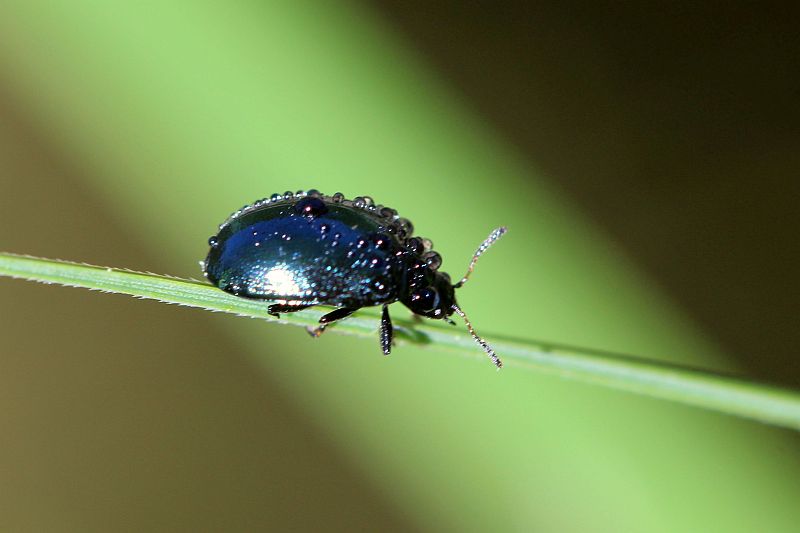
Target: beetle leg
(276,309)
(387,332)
(333,316)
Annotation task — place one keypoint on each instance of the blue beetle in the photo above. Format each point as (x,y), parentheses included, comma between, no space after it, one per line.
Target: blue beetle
(304,249)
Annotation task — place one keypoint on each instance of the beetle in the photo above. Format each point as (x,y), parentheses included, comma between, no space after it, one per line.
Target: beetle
(304,249)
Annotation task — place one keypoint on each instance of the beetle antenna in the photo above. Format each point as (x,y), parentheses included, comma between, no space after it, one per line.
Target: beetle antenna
(485,345)
(490,240)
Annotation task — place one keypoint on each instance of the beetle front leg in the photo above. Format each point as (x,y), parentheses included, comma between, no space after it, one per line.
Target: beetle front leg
(387,331)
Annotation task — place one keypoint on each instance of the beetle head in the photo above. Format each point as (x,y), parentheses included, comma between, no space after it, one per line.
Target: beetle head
(436,298)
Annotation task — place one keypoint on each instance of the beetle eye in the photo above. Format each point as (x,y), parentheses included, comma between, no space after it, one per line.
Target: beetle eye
(425,299)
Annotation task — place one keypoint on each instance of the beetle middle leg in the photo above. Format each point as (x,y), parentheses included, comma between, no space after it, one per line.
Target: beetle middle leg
(333,316)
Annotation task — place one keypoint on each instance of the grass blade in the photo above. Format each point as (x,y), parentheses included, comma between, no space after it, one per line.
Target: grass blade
(766,403)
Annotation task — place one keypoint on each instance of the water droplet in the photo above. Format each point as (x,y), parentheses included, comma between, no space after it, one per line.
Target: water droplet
(213,241)
(397,229)
(311,207)
(382,242)
(388,212)
(414,245)
(407,225)
(433,260)
(338,197)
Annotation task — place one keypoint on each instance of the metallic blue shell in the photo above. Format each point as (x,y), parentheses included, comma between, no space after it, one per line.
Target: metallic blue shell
(308,250)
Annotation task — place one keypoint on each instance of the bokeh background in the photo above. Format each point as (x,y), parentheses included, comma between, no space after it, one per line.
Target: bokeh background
(644,155)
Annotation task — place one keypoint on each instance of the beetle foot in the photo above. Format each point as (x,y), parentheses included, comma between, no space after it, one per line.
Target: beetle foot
(315,332)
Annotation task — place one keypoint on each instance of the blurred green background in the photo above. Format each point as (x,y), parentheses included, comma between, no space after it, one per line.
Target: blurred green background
(645,160)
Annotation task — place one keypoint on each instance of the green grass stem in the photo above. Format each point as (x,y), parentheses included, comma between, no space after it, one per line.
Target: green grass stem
(700,388)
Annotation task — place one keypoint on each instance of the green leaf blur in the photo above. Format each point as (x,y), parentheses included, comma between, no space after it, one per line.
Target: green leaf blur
(175,114)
